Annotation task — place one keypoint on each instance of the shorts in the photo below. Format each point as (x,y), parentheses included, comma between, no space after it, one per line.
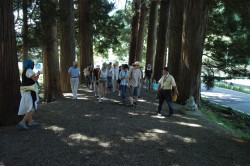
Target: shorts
(133,91)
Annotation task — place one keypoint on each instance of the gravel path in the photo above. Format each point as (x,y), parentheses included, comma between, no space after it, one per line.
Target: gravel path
(85,132)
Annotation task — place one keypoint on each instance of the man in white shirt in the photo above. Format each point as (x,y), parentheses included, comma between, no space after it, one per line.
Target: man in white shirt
(74,73)
(166,83)
(134,77)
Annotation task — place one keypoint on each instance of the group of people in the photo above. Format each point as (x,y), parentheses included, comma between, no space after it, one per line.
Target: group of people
(100,79)
(128,77)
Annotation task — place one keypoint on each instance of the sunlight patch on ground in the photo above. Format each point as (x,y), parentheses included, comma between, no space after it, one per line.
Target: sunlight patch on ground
(170,150)
(157,117)
(133,113)
(2,164)
(188,124)
(81,138)
(185,139)
(148,136)
(157,131)
(127,140)
(67,94)
(56,129)
(183,117)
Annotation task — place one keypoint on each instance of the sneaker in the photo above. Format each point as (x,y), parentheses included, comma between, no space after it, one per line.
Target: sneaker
(135,103)
(104,98)
(33,124)
(119,94)
(100,100)
(23,126)
(158,114)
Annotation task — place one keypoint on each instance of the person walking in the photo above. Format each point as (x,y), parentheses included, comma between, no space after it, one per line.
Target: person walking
(134,81)
(115,75)
(30,98)
(109,77)
(102,77)
(96,79)
(166,83)
(123,77)
(148,77)
(74,73)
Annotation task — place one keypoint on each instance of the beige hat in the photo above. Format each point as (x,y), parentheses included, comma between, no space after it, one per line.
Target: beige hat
(137,63)
(98,66)
(75,63)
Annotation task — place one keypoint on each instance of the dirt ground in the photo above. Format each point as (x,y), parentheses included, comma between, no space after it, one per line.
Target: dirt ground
(85,132)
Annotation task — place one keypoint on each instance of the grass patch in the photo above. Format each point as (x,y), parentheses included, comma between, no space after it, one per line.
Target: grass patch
(233,87)
(237,123)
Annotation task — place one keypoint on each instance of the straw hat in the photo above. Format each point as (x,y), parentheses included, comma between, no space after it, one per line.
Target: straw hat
(137,63)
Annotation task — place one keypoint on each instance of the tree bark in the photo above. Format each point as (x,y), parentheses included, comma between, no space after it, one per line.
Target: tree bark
(141,32)
(193,36)
(161,40)
(152,32)
(25,31)
(10,82)
(67,42)
(134,33)
(175,37)
(86,36)
(52,88)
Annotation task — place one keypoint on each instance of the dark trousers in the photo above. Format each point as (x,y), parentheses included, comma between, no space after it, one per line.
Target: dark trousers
(166,95)
(109,82)
(124,89)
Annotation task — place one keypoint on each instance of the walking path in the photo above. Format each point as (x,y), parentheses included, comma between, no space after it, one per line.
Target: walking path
(85,132)
(230,98)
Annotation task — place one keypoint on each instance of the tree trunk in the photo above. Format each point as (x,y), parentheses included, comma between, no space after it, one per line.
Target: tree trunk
(134,34)
(86,36)
(10,82)
(193,36)
(52,89)
(67,42)
(161,40)
(140,41)
(175,37)
(152,32)
(25,31)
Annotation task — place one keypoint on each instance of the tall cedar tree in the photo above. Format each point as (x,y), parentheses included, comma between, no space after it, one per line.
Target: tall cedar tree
(67,42)
(86,35)
(161,40)
(175,37)
(152,33)
(193,37)
(9,84)
(141,32)
(25,30)
(134,29)
(52,88)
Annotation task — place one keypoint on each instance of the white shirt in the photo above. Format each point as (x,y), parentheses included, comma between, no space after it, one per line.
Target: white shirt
(134,77)
(115,73)
(167,82)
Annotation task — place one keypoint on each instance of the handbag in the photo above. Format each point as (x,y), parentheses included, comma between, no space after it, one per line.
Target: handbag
(28,88)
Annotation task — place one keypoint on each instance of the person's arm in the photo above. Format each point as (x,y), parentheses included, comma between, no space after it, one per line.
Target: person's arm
(35,77)
(176,90)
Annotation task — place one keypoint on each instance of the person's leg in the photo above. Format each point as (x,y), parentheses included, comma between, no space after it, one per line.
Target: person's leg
(169,101)
(95,88)
(131,94)
(104,89)
(100,91)
(139,90)
(123,91)
(161,99)
(76,87)
(72,86)
(136,89)
(114,85)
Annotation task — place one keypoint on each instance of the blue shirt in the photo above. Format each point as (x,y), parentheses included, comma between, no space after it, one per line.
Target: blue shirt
(123,76)
(74,72)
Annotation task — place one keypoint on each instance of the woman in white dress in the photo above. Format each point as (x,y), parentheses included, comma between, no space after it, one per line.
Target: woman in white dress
(28,103)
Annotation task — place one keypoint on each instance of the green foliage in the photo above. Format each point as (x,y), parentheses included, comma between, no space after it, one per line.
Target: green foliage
(228,35)
(106,28)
